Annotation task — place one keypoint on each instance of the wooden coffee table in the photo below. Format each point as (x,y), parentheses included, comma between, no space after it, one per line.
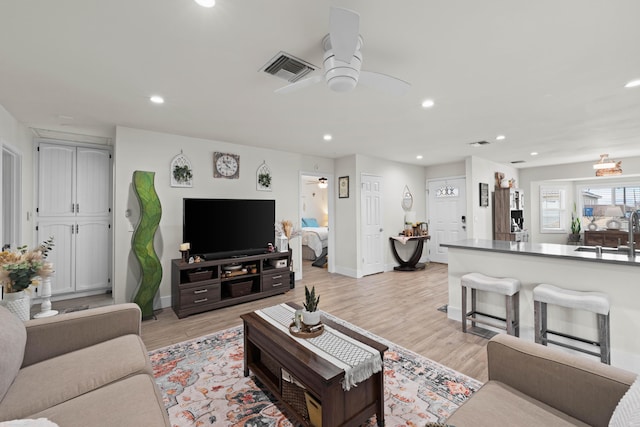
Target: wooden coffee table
(268,351)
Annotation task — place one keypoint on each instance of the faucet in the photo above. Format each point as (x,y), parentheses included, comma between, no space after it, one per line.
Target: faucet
(631,242)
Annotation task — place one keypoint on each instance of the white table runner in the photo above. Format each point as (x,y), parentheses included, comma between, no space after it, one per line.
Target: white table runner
(358,360)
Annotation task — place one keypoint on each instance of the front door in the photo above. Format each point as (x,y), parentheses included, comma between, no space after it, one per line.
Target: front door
(447,210)
(371,208)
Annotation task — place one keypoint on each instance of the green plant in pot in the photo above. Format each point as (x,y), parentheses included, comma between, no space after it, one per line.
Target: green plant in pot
(311,315)
(575,226)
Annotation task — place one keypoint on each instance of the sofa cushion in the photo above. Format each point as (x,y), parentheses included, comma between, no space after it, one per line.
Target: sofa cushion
(13,338)
(134,401)
(56,380)
(497,404)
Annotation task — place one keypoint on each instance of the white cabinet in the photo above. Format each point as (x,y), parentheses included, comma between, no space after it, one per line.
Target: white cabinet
(74,206)
(73,181)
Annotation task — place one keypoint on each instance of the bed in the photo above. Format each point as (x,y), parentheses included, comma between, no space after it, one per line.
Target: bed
(314,239)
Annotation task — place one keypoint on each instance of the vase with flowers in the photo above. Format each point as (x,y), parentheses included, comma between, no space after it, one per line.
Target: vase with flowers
(19,270)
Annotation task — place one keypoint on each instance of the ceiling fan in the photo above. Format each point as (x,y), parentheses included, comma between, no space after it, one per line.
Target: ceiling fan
(343,59)
(320,182)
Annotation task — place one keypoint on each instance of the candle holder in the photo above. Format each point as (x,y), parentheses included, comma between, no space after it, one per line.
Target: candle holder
(45,306)
(185,255)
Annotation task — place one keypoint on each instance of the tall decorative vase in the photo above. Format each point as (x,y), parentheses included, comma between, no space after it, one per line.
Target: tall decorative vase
(18,303)
(142,241)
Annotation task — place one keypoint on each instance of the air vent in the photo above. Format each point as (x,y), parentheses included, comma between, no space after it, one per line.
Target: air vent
(479,143)
(288,67)
(517,161)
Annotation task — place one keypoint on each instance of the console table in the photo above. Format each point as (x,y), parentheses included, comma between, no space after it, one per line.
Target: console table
(412,264)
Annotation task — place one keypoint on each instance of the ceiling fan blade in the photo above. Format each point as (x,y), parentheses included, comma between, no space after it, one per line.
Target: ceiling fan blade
(344,29)
(384,82)
(300,84)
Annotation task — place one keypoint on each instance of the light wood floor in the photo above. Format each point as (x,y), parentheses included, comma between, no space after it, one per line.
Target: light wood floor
(399,306)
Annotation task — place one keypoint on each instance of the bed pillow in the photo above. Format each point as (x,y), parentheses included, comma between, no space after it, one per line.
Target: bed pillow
(310,222)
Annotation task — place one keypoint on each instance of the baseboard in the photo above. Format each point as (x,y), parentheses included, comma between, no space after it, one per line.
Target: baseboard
(349,272)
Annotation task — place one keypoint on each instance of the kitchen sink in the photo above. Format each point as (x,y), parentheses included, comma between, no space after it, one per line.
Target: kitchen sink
(605,250)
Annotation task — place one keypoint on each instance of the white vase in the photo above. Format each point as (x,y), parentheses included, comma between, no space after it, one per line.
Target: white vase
(282,243)
(310,317)
(18,303)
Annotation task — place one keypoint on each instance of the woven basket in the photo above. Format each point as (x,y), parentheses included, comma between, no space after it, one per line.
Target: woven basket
(239,289)
(294,396)
(198,276)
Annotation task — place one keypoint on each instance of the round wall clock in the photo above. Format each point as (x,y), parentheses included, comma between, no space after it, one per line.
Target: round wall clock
(226,165)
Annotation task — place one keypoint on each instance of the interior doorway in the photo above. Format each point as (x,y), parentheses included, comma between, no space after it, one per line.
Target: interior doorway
(446,210)
(11,202)
(316,221)
(371,208)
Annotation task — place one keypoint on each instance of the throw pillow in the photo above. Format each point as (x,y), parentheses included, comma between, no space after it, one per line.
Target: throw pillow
(311,222)
(304,222)
(13,339)
(627,412)
(40,422)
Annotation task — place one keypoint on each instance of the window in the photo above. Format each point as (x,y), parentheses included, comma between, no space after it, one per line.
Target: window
(597,203)
(553,212)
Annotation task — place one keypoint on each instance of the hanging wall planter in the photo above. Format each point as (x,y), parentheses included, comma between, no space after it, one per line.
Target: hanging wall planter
(142,242)
(181,171)
(263,178)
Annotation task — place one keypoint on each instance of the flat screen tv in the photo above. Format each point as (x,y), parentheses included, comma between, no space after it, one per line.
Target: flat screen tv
(223,228)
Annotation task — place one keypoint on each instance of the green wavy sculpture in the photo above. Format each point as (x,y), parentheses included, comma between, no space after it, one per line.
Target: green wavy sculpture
(142,242)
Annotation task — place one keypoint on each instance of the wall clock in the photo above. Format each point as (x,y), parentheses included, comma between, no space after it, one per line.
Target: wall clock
(226,165)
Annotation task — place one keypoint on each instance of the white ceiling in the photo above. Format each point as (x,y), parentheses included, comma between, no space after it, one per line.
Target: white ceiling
(548,74)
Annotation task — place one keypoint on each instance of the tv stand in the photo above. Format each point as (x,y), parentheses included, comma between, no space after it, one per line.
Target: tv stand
(217,283)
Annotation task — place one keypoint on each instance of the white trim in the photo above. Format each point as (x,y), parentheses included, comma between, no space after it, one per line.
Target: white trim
(16,201)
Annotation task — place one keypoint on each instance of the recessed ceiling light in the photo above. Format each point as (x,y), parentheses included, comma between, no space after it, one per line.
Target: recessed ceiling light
(157,99)
(206,3)
(428,103)
(500,137)
(633,83)
(419,157)
(327,137)
(534,153)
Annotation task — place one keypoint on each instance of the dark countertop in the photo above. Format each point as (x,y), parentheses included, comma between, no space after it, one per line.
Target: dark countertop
(544,250)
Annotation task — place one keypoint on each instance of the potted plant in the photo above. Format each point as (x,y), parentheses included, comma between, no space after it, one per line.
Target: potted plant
(310,314)
(19,270)
(182,174)
(575,226)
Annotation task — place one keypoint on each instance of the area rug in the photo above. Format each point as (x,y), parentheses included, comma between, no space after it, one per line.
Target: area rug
(203,384)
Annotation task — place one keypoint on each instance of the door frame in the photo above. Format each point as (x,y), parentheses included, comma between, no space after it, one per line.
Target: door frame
(16,196)
(331,263)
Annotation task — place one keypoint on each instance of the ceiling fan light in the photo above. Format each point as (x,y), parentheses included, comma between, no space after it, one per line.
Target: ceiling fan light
(322,183)
(604,163)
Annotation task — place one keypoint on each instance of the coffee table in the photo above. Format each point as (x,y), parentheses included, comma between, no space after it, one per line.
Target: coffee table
(268,351)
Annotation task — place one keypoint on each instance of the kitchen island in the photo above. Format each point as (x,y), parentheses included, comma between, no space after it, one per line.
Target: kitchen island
(615,273)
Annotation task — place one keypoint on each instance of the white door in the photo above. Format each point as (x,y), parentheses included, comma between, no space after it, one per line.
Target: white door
(93,183)
(61,256)
(447,210)
(371,225)
(56,177)
(92,243)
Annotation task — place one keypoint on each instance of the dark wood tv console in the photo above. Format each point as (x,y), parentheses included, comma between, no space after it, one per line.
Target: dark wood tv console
(218,283)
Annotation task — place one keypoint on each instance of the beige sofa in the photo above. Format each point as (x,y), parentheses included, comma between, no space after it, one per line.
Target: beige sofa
(533,385)
(88,368)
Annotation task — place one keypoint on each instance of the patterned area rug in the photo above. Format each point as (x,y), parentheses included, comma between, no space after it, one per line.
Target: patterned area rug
(203,385)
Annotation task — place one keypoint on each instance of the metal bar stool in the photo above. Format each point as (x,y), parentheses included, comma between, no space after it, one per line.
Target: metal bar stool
(595,302)
(508,287)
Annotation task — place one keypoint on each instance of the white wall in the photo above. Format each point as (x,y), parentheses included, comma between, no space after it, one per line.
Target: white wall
(136,149)
(347,224)
(395,177)
(19,137)
(479,170)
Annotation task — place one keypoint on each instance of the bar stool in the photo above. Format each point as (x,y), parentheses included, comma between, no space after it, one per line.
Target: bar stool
(508,287)
(595,302)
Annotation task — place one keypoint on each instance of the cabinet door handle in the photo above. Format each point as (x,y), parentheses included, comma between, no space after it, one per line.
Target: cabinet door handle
(77,207)
(200,291)
(201,300)
(73,207)
(276,277)
(276,284)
